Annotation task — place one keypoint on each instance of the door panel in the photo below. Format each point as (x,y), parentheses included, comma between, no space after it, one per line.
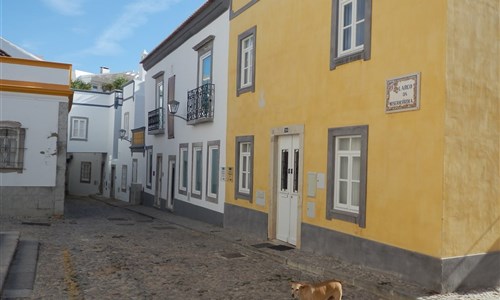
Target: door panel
(288,188)
(171,184)
(159,179)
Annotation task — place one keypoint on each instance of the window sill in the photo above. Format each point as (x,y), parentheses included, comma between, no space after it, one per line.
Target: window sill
(241,196)
(344,216)
(250,88)
(347,58)
(10,170)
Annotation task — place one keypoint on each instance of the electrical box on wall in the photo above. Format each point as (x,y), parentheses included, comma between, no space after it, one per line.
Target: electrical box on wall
(311,184)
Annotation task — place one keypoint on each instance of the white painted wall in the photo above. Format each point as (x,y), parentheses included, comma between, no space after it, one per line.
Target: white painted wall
(99,109)
(34,74)
(39,115)
(133,95)
(74,185)
(183,63)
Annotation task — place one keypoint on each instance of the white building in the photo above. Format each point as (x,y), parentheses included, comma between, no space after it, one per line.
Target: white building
(185,158)
(99,161)
(91,139)
(35,97)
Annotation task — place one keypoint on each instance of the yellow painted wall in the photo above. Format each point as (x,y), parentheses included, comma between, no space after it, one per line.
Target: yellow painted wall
(294,85)
(471,221)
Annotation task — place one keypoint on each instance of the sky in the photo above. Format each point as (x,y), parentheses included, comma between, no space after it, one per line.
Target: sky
(92,33)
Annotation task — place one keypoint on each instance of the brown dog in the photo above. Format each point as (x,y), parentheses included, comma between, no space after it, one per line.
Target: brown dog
(328,290)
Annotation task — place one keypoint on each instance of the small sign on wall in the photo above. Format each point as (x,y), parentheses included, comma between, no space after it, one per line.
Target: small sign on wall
(402,93)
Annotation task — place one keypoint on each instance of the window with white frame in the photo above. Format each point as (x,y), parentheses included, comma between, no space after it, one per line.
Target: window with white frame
(85,171)
(11,146)
(351,25)
(213,157)
(124,178)
(351,31)
(79,128)
(205,68)
(246,61)
(197,171)
(347,161)
(183,169)
(160,87)
(205,49)
(149,166)
(244,168)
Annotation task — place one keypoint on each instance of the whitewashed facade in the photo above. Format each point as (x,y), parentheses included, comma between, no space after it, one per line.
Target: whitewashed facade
(99,161)
(34,100)
(91,141)
(185,159)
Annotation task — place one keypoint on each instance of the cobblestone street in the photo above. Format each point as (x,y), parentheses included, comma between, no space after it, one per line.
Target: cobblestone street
(104,252)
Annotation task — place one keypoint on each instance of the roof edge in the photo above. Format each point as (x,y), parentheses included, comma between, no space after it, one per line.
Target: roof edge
(203,16)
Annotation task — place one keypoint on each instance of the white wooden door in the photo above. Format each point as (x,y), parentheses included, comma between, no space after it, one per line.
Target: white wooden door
(288,188)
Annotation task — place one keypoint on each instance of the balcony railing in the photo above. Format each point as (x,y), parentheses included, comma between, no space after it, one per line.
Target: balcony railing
(200,104)
(156,121)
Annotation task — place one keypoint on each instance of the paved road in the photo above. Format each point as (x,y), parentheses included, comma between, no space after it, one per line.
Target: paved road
(105,252)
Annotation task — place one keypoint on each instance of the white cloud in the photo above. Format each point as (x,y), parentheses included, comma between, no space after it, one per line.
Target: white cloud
(66,7)
(132,17)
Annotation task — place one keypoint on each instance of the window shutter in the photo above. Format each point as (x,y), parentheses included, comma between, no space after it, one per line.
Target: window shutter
(171,96)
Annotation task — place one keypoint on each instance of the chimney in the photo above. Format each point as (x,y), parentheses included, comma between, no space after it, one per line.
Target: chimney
(104,70)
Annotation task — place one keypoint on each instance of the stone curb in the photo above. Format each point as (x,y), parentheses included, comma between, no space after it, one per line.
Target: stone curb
(8,246)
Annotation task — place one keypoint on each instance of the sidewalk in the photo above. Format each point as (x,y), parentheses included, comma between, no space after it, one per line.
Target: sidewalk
(382,285)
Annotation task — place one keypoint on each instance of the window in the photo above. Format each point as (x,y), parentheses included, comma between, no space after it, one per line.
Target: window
(213,155)
(134,170)
(347,165)
(149,166)
(11,146)
(246,61)
(159,91)
(351,31)
(205,60)
(204,49)
(206,68)
(183,170)
(124,178)
(244,167)
(79,127)
(197,171)
(85,171)
(126,117)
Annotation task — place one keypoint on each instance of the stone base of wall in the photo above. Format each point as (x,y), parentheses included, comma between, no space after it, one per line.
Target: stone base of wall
(185,209)
(440,275)
(246,220)
(31,201)
(195,212)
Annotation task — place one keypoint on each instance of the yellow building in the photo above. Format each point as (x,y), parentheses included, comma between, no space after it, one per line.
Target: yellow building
(369,131)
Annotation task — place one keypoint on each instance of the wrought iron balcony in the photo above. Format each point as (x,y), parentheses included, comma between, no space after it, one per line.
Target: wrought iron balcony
(200,104)
(156,121)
